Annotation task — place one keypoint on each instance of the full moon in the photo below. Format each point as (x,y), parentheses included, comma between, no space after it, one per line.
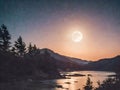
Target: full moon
(77,36)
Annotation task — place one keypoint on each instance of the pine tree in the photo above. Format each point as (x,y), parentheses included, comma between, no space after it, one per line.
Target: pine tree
(34,47)
(1,40)
(20,46)
(88,85)
(32,50)
(4,38)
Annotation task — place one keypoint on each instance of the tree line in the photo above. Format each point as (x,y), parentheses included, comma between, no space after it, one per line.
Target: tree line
(19,61)
(19,47)
(108,84)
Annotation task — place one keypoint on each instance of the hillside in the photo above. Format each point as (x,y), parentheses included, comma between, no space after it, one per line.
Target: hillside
(108,64)
(64,62)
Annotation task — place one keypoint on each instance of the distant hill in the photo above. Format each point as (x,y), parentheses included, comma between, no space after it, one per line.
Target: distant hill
(62,57)
(64,62)
(107,64)
(69,63)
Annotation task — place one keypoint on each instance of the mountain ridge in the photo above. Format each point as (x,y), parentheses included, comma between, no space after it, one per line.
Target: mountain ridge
(105,64)
(43,49)
(63,57)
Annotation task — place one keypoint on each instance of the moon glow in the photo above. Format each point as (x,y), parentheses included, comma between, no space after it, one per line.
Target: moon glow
(77,36)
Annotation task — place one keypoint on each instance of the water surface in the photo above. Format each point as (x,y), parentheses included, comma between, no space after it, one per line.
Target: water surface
(78,82)
(73,83)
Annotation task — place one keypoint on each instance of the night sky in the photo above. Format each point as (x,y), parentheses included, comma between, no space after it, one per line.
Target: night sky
(50,24)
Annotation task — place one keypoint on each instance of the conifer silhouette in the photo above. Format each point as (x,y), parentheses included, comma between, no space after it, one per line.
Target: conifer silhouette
(4,38)
(20,46)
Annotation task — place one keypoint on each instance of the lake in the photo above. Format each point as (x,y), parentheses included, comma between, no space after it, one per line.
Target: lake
(77,82)
(72,83)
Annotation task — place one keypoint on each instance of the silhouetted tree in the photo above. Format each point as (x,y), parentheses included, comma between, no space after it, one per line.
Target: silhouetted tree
(109,84)
(13,51)
(20,46)
(88,85)
(30,48)
(4,38)
(34,47)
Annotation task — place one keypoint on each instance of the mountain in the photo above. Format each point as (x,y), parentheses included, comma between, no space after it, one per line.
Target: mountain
(69,63)
(63,58)
(107,64)
(64,62)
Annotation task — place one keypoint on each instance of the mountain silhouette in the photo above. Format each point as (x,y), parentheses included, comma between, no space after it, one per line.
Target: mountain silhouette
(64,62)
(62,57)
(107,64)
(69,63)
